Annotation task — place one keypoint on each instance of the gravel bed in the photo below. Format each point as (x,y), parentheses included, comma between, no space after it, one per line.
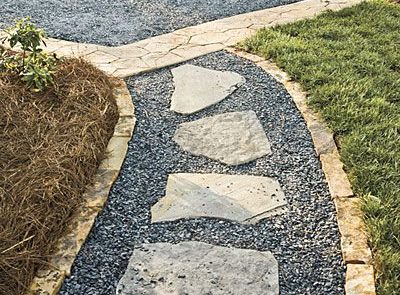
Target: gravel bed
(117,22)
(305,241)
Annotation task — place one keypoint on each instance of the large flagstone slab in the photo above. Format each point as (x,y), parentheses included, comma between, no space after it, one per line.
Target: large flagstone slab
(232,138)
(197,268)
(241,198)
(197,88)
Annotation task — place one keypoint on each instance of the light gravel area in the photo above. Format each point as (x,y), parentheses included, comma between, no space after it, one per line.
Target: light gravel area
(117,22)
(305,241)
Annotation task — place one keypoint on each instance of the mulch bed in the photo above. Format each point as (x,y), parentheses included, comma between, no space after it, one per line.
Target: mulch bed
(51,144)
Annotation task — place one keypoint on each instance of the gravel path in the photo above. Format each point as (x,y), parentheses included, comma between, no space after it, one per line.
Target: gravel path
(305,241)
(116,22)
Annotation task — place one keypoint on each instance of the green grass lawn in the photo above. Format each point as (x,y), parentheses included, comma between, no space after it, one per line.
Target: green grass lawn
(349,62)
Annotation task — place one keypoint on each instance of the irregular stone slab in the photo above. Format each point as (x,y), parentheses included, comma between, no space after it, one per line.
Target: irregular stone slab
(197,268)
(242,198)
(197,88)
(231,138)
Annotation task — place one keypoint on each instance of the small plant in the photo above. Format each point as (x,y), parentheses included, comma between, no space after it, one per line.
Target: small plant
(33,65)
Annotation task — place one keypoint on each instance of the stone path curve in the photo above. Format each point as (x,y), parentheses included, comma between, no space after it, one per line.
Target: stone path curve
(194,195)
(141,185)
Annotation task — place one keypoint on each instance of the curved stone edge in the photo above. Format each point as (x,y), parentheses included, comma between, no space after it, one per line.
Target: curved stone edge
(50,280)
(190,42)
(354,241)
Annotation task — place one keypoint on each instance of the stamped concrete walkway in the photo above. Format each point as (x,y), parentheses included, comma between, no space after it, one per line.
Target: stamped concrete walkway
(190,42)
(195,267)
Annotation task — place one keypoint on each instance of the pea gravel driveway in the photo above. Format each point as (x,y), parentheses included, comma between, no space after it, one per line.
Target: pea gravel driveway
(117,22)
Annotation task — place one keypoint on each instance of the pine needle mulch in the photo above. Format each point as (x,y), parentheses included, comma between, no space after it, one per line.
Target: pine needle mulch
(51,144)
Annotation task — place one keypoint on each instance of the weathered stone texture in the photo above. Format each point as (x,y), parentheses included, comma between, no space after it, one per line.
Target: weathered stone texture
(242,198)
(197,268)
(197,88)
(231,138)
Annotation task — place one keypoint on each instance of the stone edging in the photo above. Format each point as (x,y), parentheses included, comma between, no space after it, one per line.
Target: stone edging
(354,242)
(49,281)
(190,42)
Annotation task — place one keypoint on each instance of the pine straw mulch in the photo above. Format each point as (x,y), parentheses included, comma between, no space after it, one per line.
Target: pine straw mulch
(51,144)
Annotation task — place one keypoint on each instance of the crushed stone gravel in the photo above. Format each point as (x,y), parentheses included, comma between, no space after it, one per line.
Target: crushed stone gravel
(305,241)
(117,22)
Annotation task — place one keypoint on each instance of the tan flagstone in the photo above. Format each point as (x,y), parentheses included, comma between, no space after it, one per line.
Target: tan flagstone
(197,88)
(198,268)
(232,138)
(161,47)
(209,38)
(226,24)
(99,57)
(51,47)
(154,60)
(108,68)
(241,198)
(130,66)
(127,72)
(131,63)
(238,35)
(75,49)
(125,51)
(191,50)
(166,43)
(192,31)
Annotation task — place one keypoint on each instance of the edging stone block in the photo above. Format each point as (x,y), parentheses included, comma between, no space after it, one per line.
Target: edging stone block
(116,151)
(48,282)
(360,280)
(354,241)
(339,185)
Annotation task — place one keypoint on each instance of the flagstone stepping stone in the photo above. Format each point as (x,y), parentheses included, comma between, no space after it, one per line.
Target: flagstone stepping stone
(197,268)
(197,88)
(232,138)
(241,198)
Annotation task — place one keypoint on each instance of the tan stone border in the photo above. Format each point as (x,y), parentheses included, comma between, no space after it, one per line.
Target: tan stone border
(187,43)
(354,243)
(49,281)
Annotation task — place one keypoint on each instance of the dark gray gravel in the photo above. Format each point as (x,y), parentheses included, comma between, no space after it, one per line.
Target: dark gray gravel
(116,22)
(305,241)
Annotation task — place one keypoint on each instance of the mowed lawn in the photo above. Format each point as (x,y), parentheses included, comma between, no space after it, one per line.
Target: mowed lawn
(349,62)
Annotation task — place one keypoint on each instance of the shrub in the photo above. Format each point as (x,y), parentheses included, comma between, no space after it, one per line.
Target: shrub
(33,65)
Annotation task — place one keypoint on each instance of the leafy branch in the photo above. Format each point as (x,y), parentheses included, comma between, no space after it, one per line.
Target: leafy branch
(35,67)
